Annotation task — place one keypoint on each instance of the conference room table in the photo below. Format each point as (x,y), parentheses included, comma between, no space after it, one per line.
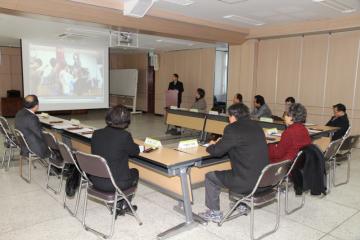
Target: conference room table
(175,172)
(215,124)
(167,169)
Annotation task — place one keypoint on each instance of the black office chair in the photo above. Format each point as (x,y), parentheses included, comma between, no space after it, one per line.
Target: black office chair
(266,190)
(25,153)
(55,160)
(330,156)
(344,156)
(97,166)
(287,184)
(10,144)
(68,157)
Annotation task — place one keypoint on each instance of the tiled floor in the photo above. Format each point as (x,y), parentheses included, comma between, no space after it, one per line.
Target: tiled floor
(29,211)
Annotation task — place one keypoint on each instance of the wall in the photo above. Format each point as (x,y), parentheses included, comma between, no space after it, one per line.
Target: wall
(242,71)
(136,61)
(10,70)
(319,70)
(196,70)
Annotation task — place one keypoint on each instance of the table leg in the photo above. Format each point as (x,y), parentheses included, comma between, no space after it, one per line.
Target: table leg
(187,210)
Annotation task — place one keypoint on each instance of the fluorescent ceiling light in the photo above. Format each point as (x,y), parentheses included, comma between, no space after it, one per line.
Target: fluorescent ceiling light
(242,19)
(180,2)
(232,1)
(137,8)
(336,5)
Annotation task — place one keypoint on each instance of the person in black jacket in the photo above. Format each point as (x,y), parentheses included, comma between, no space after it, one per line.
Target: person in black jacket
(28,123)
(244,142)
(175,84)
(340,119)
(115,145)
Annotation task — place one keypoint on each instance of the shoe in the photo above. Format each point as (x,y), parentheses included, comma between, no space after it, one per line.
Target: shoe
(243,209)
(128,209)
(211,215)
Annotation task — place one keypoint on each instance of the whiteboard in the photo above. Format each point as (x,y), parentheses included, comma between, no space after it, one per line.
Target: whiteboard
(123,82)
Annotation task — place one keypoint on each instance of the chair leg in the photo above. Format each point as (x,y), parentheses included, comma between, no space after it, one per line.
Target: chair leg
(228,216)
(3,158)
(252,219)
(56,191)
(287,211)
(113,217)
(133,211)
(9,158)
(48,176)
(347,172)
(276,227)
(78,196)
(27,179)
(85,206)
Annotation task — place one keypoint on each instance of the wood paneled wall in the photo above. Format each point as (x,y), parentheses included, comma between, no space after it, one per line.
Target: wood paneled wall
(136,61)
(10,70)
(318,70)
(195,68)
(242,71)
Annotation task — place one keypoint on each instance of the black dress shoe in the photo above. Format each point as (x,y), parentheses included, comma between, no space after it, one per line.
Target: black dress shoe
(128,209)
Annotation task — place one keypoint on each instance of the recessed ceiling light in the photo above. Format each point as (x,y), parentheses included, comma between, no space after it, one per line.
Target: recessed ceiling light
(159,40)
(180,2)
(336,5)
(242,19)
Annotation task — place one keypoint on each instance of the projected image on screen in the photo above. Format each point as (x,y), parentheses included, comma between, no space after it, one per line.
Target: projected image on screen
(66,77)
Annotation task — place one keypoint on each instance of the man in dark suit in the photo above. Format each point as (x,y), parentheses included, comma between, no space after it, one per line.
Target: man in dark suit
(340,119)
(177,85)
(244,142)
(28,123)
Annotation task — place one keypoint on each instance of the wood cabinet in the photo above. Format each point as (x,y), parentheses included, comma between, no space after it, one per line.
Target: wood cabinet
(10,106)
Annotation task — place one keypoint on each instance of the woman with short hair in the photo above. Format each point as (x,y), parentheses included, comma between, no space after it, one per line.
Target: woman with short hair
(200,103)
(115,145)
(295,137)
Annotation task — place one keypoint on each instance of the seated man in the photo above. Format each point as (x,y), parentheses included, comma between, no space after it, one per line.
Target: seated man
(115,145)
(295,137)
(261,109)
(288,102)
(238,98)
(28,123)
(340,119)
(244,142)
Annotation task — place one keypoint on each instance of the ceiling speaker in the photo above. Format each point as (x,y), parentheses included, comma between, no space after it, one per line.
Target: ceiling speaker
(137,8)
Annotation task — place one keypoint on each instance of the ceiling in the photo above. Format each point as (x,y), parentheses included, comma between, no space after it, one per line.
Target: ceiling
(269,12)
(13,28)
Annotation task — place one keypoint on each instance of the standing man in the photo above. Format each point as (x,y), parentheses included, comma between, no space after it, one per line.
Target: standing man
(177,85)
(244,142)
(28,123)
(340,119)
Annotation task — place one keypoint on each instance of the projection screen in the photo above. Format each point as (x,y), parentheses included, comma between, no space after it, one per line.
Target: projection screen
(66,76)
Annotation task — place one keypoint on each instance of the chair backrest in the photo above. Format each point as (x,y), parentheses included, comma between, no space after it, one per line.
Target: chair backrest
(5,124)
(273,174)
(50,140)
(332,149)
(3,130)
(347,133)
(295,162)
(349,143)
(93,165)
(21,140)
(67,154)
(68,157)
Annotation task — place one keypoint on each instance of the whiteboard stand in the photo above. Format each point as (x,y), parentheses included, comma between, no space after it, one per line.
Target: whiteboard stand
(134,103)
(124,82)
